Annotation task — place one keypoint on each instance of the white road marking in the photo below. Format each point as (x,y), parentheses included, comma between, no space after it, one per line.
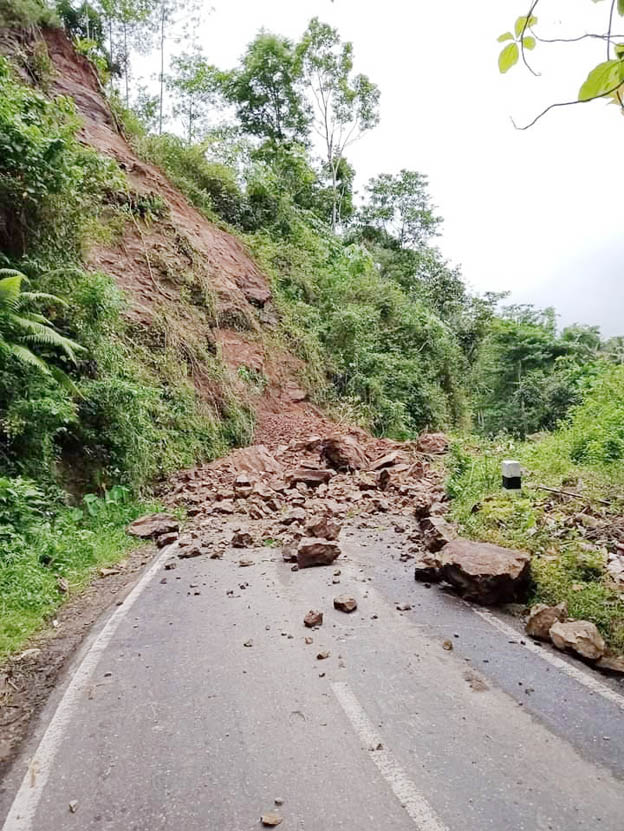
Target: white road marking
(574,672)
(22,813)
(402,786)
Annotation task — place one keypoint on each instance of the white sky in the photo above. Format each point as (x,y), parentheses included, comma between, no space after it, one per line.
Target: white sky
(534,212)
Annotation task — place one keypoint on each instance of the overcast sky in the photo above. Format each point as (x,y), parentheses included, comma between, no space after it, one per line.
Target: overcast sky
(537,212)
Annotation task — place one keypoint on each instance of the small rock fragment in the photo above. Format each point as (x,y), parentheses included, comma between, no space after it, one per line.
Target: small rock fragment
(541,618)
(271,819)
(611,663)
(315,551)
(345,603)
(73,806)
(313,619)
(166,539)
(242,539)
(324,653)
(580,636)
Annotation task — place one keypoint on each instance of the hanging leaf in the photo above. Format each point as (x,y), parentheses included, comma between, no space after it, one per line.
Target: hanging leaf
(528,42)
(520,24)
(505,36)
(620,7)
(508,57)
(601,80)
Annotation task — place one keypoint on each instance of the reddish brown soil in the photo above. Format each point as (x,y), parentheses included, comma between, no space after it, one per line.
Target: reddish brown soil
(183,251)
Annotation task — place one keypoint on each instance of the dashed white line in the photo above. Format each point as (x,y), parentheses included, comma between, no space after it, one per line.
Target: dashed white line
(22,813)
(574,672)
(414,803)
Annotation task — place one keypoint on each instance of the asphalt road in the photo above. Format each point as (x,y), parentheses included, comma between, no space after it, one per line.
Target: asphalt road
(167,720)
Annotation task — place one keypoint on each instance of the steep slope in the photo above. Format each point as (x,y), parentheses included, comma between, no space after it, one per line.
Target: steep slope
(186,280)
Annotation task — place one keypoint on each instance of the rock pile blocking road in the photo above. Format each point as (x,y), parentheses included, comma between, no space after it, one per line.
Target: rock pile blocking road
(298,496)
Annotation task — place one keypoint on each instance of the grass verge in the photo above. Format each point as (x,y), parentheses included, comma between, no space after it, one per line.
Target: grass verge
(569,539)
(48,553)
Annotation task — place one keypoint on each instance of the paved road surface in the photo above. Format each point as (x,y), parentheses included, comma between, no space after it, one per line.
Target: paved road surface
(171,722)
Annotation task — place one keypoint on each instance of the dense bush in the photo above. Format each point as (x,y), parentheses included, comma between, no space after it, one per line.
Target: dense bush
(595,429)
(374,343)
(528,375)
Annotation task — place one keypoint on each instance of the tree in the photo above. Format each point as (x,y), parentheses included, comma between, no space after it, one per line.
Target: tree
(83,22)
(196,85)
(399,206)
(267,93)
(164,17)
(604,81)
(527,376)
(344,105)
(123,17)
(21,327)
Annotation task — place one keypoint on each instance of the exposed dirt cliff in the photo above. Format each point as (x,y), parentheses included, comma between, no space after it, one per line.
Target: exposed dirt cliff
(186,280)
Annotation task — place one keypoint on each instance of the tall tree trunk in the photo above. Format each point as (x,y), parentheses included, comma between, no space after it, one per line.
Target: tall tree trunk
(126,62)
(162,67)
(334,173)
(110,42)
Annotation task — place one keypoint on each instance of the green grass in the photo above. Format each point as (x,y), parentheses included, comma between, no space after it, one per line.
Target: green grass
(566,565)
(43,545)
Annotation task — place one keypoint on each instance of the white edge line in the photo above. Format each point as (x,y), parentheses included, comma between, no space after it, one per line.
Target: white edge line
(26,801)
(574,672)
(415,805)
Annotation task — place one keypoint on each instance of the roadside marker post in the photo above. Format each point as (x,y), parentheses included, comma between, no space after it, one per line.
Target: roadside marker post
(512,475)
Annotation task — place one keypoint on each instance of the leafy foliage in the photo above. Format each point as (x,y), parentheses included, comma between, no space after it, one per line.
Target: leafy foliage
(195,84)
(527,376)
(605,80)
(266,91)
(20,326)
(48,179)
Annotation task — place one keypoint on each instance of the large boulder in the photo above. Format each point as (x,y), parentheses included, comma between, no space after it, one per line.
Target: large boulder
(580,636)
(344,453)
(323,526)
(312,477)
(542,617)
(315,551)
(427,569)
(432,443)
(611,663)
(152,526)
(395,457)
(484,572)
(254,459)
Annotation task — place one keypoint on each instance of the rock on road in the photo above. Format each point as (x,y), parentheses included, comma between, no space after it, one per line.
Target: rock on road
(200,705)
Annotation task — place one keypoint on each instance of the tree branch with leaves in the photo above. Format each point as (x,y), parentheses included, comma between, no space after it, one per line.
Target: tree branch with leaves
(603,81)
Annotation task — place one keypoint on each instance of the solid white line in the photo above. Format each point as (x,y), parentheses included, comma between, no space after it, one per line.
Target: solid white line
(574,672)
(24,807)
(402,786)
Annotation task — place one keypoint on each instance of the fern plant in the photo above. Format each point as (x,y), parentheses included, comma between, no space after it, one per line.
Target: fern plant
(22,328)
